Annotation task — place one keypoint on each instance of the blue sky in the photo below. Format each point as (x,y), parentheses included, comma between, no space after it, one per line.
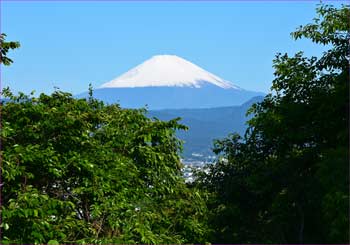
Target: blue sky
(72,44)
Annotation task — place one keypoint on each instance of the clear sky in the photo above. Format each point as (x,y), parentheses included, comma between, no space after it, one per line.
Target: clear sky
(72,44)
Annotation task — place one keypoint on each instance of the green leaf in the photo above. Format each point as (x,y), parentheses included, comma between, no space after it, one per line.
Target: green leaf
(53,242)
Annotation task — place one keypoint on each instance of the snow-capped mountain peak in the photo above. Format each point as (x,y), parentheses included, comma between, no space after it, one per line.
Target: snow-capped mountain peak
(167,71)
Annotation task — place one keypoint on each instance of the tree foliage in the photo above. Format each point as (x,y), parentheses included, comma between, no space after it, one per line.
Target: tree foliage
(5,48)
(79,171)
(286,180)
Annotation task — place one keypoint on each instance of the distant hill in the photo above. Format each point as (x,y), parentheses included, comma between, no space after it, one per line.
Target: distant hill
(205,125)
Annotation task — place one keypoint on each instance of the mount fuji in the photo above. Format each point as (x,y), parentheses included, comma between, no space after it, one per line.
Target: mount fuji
(171,82)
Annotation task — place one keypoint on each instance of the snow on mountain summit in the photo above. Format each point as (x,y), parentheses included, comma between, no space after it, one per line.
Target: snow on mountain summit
(167,71)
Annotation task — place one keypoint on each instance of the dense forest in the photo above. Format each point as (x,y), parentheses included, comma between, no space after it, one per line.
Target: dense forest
(80,171)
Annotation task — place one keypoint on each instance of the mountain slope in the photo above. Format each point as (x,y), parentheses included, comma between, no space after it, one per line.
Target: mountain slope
(173,97)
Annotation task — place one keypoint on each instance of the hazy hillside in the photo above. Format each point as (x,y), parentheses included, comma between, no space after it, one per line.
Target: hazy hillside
(205,125)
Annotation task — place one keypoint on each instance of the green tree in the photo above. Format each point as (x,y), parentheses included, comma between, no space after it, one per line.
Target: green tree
(286,180)
(79,171)
(5,48)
